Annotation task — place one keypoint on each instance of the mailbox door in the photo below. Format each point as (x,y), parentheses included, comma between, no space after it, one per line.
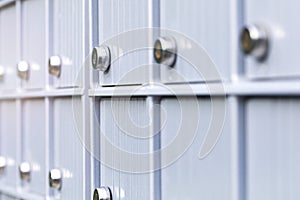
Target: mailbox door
(117,116)
(208,25)
(186,176)
(33,42)
(8,47)
(278,20)
(130,62)
(68,148)
(9,143)
(68,41)
(34,140)
(272,148)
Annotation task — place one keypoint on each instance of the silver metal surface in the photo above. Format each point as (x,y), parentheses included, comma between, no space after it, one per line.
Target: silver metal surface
(23,68)
(272,148)
(54,65)
(67,40)
(165,51)
(2,164)
(254,41)
(34,142)
(102,193)
(55,178)
(32,44)
(25,171)
(101,58)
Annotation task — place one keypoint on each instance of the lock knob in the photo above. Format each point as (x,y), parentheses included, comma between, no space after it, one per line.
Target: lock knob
(23,68)
(165,51)
(54,65)
(101,58)
(55,178)
(102,193)
(2,72)
(25,171)
(2,164)
(254,41)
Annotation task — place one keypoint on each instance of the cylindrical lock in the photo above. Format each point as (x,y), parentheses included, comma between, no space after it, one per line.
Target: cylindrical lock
(55,178)
(254,41)
(23,68)
(2,72)
(102,193)
(25,171)
(54,65)
(101,58)
(165,51)
(2,164)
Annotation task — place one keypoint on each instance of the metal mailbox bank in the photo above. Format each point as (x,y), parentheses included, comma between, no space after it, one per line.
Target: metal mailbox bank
(149,100)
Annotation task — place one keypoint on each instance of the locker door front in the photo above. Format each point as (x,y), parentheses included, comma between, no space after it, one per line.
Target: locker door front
(270,39)
(272,137)
(31,67)
(8,48)
(66,175)
(9,138)
(118,17)
(34,149)
(186,175)
(205,25)
(123,123)
(67,58)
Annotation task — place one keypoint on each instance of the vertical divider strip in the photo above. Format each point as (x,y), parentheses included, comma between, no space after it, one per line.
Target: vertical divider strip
(155,145)
(49,130)
(19,147)
(238,147)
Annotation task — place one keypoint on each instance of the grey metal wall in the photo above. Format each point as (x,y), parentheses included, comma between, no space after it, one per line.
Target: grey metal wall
(63,115)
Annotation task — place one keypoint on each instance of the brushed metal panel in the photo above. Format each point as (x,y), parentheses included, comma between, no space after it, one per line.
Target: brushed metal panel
(114,114)
(68,148)
(188,176)
(8,47)
(68,33)
(272,148)
(34,140)
(33,41)
(8,131)
(278,17)
(208,23)
(117,17)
